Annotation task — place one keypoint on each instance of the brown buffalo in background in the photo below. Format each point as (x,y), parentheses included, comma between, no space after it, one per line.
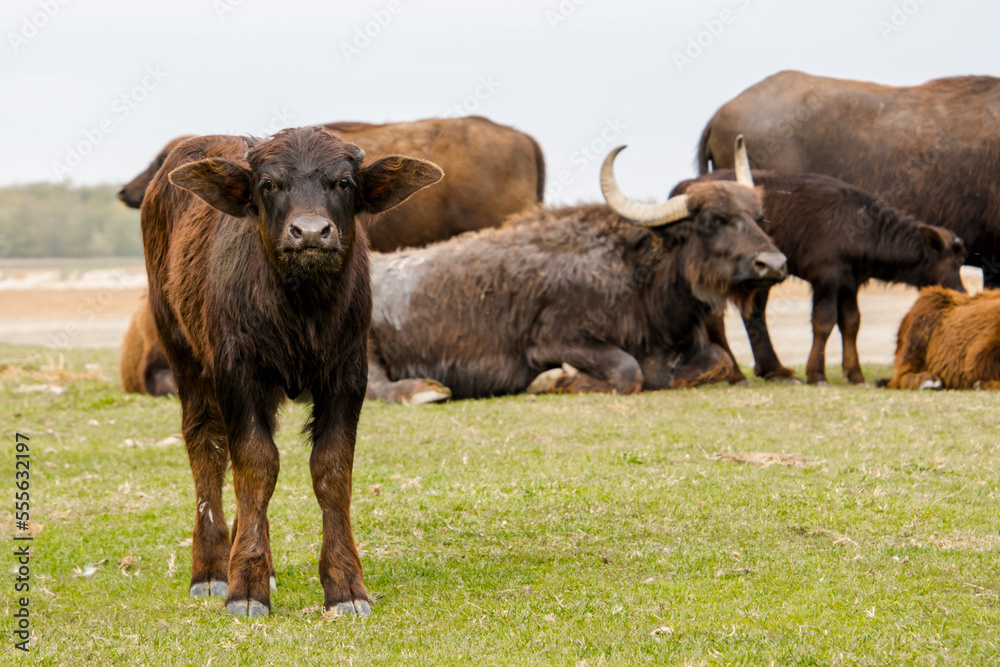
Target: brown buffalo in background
(491,171)
(143,365)
(931,150)
(949,340)
(837,238)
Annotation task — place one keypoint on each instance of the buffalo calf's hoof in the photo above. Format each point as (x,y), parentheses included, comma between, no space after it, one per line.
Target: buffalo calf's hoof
(214,588)
(249,608)
(932,384)
(358,607)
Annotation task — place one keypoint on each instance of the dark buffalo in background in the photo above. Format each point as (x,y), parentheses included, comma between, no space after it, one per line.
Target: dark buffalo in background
(259,286)
(931,150)
(491,171)
(837,238)
(610,298)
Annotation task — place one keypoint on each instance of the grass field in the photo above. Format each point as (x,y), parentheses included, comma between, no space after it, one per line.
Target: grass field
(568,530)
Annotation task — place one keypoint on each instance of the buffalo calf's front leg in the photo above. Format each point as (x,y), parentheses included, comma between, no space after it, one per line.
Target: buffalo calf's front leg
(331,464)
(207,448)
(255,473)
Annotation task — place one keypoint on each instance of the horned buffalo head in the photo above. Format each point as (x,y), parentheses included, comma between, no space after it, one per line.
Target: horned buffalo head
(714,226)
(305,186)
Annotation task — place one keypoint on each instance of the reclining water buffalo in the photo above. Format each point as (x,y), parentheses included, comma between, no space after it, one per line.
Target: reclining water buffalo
(259,287)
(608,298)
(492,171)
(949,340)
(932,150)
(143,365)
(838,238)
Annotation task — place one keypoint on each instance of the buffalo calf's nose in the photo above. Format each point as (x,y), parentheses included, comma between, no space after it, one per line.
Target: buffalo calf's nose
(312,232)
(770,265)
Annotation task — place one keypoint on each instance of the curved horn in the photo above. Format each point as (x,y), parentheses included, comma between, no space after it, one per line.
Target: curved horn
(647,215)
(741,163)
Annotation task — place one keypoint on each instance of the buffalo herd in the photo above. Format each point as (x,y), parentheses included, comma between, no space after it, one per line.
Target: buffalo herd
(415,262)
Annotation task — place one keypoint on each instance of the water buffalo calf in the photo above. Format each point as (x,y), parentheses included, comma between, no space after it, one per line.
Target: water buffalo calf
(259,287)
(949,340)
(570,300)
(838,238)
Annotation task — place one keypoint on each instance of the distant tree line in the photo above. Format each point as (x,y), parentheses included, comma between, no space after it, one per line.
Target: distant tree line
(59,220)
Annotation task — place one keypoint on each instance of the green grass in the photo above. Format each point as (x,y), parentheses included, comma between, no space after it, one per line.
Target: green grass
(576,530)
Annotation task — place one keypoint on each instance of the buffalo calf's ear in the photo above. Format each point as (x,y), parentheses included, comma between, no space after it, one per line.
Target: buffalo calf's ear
(932,238)
(223,184)
(392,179)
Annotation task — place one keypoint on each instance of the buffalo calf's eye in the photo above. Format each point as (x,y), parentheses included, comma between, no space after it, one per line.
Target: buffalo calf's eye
(345,183)
(266,185)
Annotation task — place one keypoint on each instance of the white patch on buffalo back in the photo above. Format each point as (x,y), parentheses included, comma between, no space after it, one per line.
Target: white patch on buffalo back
(394,279)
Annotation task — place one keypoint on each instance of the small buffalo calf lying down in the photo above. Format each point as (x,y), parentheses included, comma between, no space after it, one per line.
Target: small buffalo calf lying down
(597,298)
(949,340)
(837,238)
(259,287)
(143,365)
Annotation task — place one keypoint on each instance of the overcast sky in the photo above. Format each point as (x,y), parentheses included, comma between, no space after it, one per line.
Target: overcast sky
(93,88)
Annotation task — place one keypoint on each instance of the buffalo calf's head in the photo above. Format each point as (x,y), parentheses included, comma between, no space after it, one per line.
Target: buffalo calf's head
(305,187)
(715,229)
(943,255)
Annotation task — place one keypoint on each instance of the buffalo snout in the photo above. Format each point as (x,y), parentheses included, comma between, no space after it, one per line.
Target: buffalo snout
(312,233)
(767,268)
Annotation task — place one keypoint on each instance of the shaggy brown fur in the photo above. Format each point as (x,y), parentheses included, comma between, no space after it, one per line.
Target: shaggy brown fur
(932,150)
(492,171)
(837,238)
(259,287)
(623,306)
(143,365)
(949,340)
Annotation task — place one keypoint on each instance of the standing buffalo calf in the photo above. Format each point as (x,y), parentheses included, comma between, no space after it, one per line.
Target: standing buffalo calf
(259,286)
(492,171)
(949,340)
(931,150)
(838,238)
(596,298)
